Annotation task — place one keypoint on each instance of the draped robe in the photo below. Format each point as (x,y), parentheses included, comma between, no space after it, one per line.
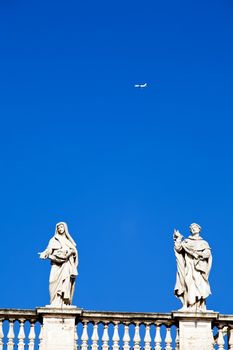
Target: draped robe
(192,284)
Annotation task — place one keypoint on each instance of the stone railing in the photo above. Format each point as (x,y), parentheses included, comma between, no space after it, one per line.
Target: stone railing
(19,329)
(71,329)
(223,332)
(127,331)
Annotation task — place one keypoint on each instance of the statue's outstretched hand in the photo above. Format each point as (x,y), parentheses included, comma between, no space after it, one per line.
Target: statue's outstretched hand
(177,235)
(43,255)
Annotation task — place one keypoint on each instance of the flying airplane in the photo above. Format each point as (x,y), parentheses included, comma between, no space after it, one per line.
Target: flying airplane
(140,85)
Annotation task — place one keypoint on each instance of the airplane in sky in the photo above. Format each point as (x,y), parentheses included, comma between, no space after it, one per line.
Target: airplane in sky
(140,85)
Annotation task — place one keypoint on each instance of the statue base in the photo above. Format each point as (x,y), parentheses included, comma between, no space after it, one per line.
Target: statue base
(59,328)
(195,329)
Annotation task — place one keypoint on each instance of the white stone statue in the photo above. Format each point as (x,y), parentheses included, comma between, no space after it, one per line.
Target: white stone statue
(63,255)
(194,259)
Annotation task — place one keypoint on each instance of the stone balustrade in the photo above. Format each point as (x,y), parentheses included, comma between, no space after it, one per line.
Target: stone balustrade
(112,330)
(20,329)
(71,329)
(223,332)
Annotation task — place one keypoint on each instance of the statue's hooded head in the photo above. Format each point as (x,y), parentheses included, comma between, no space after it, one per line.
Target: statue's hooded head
(195,228)
(62,228)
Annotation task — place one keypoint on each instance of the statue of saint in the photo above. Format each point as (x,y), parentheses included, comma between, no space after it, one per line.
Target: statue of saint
(63,255)
(194,259)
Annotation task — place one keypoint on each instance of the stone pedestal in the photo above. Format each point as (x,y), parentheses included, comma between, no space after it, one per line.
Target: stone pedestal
(195,330)
(58,327)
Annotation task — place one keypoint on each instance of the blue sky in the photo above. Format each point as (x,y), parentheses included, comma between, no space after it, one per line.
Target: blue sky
(122,166)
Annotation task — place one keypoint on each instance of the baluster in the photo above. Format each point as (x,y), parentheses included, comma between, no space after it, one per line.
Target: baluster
(105,338)
(126,337)
(136,338)
(168,339)
(213,340)
(84,337)
(115,337)
(95,337)
(41,335)
(220,340)
(1,335)
(10,335)
(177,340)
(230,341)
(158,338)
(147,338)
(75,339)
(21,335)
(31,336)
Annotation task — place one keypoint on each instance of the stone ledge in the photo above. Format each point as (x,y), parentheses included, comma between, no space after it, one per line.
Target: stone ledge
(59,311)
(185,315)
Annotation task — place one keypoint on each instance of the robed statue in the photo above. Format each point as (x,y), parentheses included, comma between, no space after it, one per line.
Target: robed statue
(63,255)
(194,259)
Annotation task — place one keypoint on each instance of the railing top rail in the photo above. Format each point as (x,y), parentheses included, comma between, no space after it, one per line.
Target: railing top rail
(224,320)
(106,316)
(131,317)
(26,314)
(92,316)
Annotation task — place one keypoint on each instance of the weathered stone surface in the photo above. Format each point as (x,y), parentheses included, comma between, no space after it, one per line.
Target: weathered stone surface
(195,330)
(58,327)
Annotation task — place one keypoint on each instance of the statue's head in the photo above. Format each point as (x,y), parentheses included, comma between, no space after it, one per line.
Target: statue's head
(60,228)
(195,229)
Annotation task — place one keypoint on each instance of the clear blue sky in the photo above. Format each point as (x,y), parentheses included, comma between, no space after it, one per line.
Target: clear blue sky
(121,166)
